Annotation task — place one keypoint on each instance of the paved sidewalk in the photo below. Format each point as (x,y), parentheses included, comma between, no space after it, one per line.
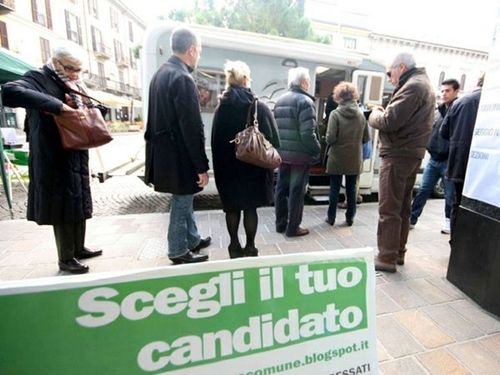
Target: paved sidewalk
(425,324)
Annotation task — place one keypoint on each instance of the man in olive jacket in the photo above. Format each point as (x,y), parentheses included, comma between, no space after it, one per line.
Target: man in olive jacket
(404,128)
(176,162)
(295,115)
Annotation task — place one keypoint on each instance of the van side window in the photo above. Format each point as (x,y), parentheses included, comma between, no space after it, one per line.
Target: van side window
(210,83)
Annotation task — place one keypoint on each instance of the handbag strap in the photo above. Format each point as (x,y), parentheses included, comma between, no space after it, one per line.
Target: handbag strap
(255,122)
(58,81)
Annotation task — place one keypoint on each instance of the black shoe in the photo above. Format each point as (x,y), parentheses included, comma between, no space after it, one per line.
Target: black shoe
(73,266)
(349,223)
(86,253)
(189,257)
(331,222)
(279,230)
(204,242)
(251,251)
(235,251)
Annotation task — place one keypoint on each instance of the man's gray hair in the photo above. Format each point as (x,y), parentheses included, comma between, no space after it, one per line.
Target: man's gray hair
(70,52)
(182,38)
(295,75)
(405,57)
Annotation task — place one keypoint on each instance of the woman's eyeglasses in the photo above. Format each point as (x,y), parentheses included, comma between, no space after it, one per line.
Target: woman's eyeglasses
(69,68)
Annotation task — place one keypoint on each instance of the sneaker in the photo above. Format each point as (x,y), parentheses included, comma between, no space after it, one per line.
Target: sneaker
(446,229)
(412,226)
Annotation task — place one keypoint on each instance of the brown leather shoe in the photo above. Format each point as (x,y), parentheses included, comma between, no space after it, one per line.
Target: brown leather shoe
(384,266)
(300,232)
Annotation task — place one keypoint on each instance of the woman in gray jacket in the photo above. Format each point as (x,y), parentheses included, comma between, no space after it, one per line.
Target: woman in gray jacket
(346,133)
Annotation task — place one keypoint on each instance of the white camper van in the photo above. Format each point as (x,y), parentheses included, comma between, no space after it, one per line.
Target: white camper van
(270,58)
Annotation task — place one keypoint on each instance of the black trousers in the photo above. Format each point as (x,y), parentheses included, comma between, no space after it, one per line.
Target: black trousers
(70,239)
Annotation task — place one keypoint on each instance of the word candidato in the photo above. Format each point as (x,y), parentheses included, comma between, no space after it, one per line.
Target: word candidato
(102,306)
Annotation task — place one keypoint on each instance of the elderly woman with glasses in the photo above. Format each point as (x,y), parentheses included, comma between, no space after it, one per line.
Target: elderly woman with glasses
(59,188)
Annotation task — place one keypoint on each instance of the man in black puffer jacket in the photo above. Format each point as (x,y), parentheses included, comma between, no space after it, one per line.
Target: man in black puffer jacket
(295,115)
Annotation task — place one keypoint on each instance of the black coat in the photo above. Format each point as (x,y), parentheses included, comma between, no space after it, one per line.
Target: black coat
(240,185)
(175,138)
(59,188)
(458,128)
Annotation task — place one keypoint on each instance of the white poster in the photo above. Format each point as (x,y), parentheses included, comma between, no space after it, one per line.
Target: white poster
(482,180)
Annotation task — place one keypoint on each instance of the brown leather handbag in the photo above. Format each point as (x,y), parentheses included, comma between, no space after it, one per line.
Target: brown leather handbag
(83,128)
(251,146)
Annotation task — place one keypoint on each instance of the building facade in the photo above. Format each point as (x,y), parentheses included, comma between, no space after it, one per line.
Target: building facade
(350,26)
(107,32)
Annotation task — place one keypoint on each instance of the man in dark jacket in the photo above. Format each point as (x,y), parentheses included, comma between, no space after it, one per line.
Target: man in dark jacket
(176,162)
(438,162)
(458,127)
(59,188)
(295,116)
(404,130)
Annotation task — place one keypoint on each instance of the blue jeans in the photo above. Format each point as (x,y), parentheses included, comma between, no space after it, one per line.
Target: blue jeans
(432,172)
(289,200)
(350,192)
(182,231)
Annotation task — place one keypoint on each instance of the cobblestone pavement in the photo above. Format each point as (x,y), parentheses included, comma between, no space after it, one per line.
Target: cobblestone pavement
(120,195)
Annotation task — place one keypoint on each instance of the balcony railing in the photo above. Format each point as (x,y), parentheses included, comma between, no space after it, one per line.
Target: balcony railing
(101,51)
(7,6)
(121,62)
(97,82)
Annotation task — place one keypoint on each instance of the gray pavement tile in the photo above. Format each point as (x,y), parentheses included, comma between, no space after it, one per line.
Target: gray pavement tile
(444,285)
(428,292)
(382,354)
(403,295)
(331,244)
(491,343)
(395,338)
(153,248)
(45,270)
(441,362)
(17,259)
(406,366)
(385,304)
(452,323)
(422,328)
(15,272)
(476,358)
(476,315)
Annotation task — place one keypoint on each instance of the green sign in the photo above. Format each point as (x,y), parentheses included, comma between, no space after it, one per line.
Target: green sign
(296,314)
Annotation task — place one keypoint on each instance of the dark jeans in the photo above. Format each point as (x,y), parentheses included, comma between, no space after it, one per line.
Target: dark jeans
(397,177)
(434,170)
(70,239)
(350,192)
(457,201)
(289,200)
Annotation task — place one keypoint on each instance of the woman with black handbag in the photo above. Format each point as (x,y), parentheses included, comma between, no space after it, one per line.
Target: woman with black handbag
(242,186)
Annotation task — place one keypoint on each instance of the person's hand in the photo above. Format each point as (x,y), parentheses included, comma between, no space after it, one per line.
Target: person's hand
(378,108)
(66,108)
(69,101)
(202,179)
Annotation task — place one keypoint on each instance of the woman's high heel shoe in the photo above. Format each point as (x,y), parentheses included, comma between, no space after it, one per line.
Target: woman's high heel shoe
(251,251)
(235,251)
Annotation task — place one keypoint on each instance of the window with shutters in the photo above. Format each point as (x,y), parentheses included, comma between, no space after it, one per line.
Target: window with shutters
(133,61)
(102,75)
(118,51)
(93,9)
(73,27)
(130,31)
(4,40)
(114,19)
(462,81)
(40,10)
(45,49)
(97,40)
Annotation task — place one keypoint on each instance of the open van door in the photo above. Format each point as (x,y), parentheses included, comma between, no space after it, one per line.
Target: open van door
(371,90)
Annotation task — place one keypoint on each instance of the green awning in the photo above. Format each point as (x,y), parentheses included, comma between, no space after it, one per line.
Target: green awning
(12,66)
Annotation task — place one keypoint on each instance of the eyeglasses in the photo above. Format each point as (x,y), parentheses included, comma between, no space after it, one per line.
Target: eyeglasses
(69,68)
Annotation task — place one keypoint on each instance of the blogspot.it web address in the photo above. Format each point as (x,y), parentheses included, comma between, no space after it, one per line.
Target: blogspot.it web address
(326,356)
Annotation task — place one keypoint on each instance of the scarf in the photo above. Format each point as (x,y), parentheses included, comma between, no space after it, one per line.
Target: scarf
(76,85)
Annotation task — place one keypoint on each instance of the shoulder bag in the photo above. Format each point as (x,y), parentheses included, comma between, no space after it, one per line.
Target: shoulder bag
(83,128)
(251,146)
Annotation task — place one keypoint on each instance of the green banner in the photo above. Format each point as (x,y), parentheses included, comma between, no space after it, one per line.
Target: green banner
(252,316)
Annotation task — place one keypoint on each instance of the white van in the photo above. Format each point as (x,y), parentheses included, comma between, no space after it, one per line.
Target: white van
(270,58)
